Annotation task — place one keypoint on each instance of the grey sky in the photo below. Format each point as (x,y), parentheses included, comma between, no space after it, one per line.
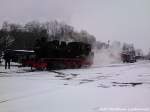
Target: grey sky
(122,20)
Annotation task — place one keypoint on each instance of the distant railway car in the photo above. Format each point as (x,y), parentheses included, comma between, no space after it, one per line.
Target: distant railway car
(128,57)
(21,55)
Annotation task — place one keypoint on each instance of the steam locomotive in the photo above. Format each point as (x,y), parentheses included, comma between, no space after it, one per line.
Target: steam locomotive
(60,55)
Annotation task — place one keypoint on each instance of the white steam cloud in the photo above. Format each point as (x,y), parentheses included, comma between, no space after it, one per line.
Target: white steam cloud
(108,55)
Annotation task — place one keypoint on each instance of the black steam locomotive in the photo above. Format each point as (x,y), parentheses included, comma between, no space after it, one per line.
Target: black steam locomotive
(60,55)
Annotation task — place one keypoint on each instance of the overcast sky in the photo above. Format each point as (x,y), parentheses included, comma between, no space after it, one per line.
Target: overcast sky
(122,20)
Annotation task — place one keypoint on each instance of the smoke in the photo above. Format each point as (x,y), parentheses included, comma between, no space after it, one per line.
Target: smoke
(108,55)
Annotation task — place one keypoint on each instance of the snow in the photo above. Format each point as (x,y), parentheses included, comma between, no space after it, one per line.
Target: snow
(104,88)
(25,51)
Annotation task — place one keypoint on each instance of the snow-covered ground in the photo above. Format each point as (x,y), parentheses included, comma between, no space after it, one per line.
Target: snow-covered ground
(109,88)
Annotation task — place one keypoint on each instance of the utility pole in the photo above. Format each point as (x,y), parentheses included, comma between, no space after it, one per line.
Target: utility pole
(108,43)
